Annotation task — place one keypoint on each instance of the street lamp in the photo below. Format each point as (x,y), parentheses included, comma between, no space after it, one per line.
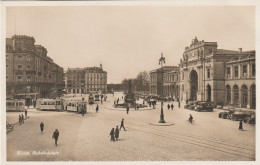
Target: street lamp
(161,61)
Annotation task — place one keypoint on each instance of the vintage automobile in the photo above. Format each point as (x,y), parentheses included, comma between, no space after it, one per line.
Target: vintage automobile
(188,105)
(250,119)
(238,116)
(204,106)
(225,114)
(193,105)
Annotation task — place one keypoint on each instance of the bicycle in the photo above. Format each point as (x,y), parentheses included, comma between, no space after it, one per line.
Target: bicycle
(190,121)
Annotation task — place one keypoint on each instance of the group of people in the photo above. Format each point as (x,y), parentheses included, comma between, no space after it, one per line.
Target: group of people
(114,133)
(55,134)
(21,119)
(170,106)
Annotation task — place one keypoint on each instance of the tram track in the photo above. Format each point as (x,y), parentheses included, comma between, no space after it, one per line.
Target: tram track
(234,149)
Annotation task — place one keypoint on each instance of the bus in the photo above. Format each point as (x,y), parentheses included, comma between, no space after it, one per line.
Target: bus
(49,104)
(13,105)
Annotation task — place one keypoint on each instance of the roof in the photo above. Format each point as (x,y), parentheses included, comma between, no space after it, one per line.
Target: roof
(224,51)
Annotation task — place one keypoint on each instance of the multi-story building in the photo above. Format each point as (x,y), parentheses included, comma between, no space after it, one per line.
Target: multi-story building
(171,82)
(203,69)
(30,73)
(240,81)
(86,80)
(156,79)
(75,80)
(207,73)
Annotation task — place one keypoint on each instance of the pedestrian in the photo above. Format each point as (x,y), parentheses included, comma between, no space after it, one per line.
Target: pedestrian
(240,126)
(122,97)
(115,102)
(25,113)
(168,106)
(172,106)
(97,108)
(173,99)
(112,134)
(122,125)
(127,109)
(22,119)
(42,127)
(143,102)
(137,106)
(179,103)
(117,133)
(56,136)
(82,111)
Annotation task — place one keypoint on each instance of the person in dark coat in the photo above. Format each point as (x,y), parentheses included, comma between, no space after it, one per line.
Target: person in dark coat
(42,127)
(25,113)
(97,108)
(168,106)
(112,134)
(172,106)
(179,103)
(122,125)
(56,136)
(117,133)
(127,109)
(240,125)
(22,119)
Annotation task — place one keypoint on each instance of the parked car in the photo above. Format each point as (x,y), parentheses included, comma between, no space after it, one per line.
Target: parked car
(225,114)
(238,116)
(188,105)
(250,119)
(204,106)
(193,105)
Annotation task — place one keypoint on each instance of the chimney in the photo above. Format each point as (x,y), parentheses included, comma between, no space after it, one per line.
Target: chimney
(240,50)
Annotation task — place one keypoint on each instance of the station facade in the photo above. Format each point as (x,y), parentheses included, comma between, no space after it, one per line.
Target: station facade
(207,73)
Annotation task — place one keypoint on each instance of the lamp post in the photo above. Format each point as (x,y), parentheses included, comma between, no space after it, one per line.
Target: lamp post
(161,61)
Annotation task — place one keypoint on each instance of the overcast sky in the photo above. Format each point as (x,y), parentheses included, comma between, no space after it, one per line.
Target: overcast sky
(129,39)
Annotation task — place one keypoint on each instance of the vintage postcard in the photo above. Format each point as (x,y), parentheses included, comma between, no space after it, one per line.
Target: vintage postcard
(123,82)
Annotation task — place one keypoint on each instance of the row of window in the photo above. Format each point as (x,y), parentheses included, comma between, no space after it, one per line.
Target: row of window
(170,78)
(236,71)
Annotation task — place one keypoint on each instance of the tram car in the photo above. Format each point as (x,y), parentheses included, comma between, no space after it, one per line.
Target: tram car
(75,104)
(49,105)
(13,105)
(97,97)
(91,99)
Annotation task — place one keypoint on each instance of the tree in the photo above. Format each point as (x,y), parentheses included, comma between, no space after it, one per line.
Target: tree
(142,81)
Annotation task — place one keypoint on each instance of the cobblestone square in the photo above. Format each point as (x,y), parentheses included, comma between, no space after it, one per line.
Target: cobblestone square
(85,138)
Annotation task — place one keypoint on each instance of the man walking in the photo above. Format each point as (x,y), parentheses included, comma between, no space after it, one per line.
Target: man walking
(56,136)
(97,108)
(179,103)
(240,126)
(117,133)
(127,109)
(22,119)
(172,106)
(42,127)
(122,125)
(168,106)
(25,113)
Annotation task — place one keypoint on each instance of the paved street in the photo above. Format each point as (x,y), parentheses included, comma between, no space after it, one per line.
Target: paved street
(85,138)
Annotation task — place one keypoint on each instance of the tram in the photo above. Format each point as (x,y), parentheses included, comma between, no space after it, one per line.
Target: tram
(75,104)
(13,105)
(49,104)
